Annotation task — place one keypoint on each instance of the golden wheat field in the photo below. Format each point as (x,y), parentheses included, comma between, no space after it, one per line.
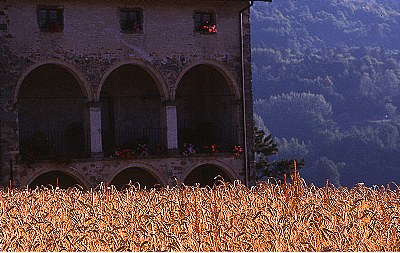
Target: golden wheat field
(227,217)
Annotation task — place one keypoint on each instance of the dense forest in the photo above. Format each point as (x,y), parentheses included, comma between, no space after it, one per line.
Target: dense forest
(326,84)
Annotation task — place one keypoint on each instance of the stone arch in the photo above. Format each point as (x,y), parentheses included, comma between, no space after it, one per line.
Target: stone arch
(72,69)
(131,95)
(157,77)
(206,166)
(51,98)
(223,70)
(63,170)
(206,98)
(146,169)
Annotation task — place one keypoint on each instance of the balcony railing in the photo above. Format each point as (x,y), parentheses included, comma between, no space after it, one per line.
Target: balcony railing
(63,144)
(54,144)
(129,138)
(224,137)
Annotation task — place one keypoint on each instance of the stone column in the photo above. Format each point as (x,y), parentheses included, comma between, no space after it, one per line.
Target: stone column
(171,123)
(96,146)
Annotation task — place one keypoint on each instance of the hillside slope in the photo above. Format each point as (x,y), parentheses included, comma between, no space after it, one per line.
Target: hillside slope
(332,67)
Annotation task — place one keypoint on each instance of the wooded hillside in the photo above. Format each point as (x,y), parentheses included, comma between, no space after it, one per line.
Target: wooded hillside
(326,77)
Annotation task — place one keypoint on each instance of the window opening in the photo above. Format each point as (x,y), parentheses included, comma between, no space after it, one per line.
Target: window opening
(131,20)
(204,22)
(51,19)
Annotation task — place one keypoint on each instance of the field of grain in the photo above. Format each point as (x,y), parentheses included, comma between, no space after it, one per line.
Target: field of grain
(228,217)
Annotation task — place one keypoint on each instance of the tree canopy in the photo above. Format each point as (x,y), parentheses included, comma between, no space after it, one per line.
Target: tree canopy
(326,77)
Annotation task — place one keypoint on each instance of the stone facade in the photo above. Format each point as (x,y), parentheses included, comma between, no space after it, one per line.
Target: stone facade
(167,57)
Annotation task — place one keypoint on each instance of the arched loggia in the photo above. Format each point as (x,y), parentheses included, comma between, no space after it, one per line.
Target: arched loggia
(51,117)
(131,109)
(206,108)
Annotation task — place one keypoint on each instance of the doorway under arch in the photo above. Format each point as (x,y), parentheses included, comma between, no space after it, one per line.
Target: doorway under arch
(206,174)
(135,175)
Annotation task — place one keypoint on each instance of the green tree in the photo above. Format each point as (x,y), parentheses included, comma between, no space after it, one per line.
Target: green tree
(265,146)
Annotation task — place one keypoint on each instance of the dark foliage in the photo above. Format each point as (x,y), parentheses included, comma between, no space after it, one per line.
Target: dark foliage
(264,144)
(264,147)
(327,75)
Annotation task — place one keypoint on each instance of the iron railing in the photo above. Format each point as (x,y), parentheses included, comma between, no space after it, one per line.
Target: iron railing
(224,137)
(155,138)
(54,144)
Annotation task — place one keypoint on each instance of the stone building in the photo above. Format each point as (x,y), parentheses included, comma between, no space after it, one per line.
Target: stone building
(85,85)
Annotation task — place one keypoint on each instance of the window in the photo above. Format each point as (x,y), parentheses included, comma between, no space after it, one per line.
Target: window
(51,19)
(204,22)
(131,20)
